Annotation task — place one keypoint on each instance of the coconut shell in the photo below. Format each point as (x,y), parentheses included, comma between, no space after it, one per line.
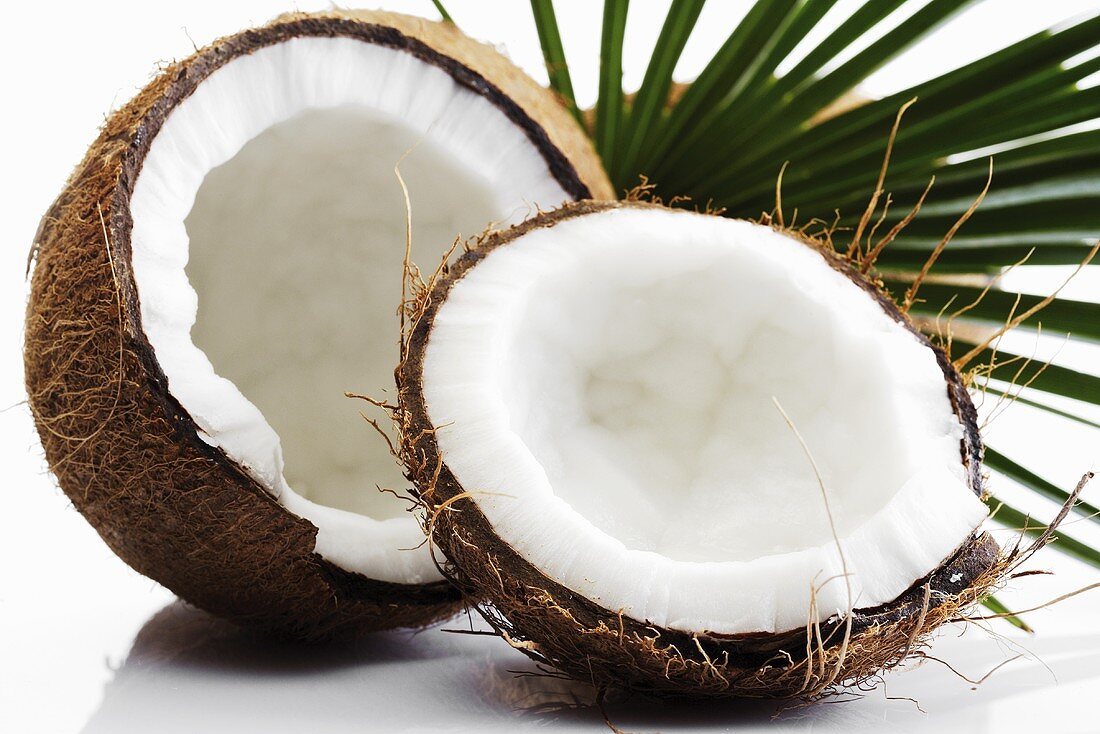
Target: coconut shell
(126,452)
(556,626)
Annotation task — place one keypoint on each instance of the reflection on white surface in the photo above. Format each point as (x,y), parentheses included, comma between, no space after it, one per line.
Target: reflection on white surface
(190,672)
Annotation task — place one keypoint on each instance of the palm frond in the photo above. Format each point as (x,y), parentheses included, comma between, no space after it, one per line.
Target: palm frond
(546,22)
(996,606)
(443,12)
(609,107)
(652,98)
(1029,527)
(1002,464)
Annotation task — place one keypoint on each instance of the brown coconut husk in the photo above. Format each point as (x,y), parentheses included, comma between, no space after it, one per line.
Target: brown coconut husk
(560,628)
(125,451)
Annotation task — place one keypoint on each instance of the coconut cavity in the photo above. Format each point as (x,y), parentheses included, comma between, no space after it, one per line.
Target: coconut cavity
(604,386)
(296,254)
(268,238)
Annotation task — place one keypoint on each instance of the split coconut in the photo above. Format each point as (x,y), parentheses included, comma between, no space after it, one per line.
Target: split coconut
(689,455)
(222,267)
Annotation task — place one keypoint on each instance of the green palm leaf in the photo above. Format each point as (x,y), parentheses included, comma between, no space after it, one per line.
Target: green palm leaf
(724,138)
(609,108)
(554,53)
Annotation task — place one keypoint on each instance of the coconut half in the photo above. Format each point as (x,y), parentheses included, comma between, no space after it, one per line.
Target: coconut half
(223,266)
(591,413)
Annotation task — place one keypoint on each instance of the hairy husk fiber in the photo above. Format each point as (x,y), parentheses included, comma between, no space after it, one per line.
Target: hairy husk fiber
(554,626)
(126,453)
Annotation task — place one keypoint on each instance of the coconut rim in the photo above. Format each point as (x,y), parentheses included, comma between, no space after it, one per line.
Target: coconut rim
(370,28)
(958,571)
(120,220)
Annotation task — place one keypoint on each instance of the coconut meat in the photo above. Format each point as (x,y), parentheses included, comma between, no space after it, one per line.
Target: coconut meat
(267,246)
(605,389)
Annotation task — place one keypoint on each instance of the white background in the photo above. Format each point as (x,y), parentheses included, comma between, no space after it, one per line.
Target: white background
(70,611)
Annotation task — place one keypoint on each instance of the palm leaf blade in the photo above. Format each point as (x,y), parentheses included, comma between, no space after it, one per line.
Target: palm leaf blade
(546,22)
(1004,465)
(609,105)
(653,94)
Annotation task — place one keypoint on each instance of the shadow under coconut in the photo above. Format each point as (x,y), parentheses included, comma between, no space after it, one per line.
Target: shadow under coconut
(558,703)
(189,637)
(188,671)
(920,699)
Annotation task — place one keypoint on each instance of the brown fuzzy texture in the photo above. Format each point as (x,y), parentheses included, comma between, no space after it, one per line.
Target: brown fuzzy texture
(553,625)
(126,453)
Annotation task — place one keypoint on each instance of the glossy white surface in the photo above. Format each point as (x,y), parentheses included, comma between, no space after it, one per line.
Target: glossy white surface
(189,673)
(106,652)
(70,611)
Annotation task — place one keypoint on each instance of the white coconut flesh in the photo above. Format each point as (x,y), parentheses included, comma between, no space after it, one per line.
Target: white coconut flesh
(267,243)
(604,388)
